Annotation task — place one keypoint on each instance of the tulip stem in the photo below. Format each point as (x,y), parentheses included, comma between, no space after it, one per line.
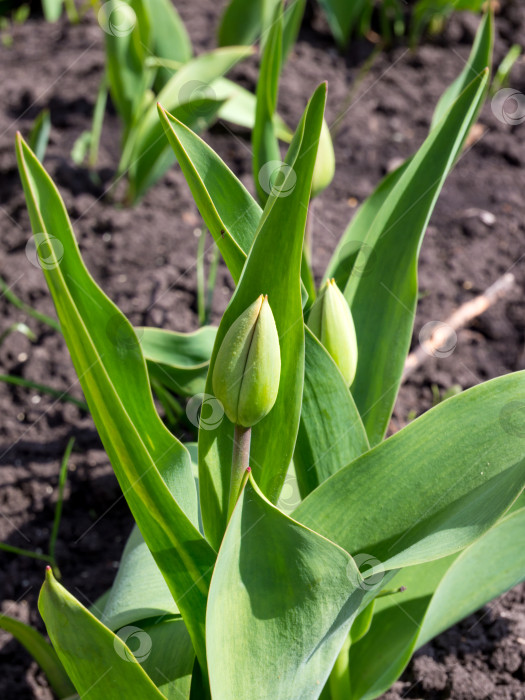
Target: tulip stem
(240,463)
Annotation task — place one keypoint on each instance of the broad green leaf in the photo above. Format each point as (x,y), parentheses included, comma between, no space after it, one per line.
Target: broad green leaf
(433,487)
(228,209)
(273,267)
(479,59)
(281,602)
(139,590)
(152,466)
(331,433)
(42,652)
(384,293)
(265,147)
(190,93)
(438,594)
(97,660)
(171,660)
(178,360)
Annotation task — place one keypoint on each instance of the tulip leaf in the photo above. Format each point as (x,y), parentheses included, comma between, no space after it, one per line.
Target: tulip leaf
(127,33)
(384,293)
(152,466)
(438,594)
(228,209)
(190,94)
(170,39)
(345,254)
(331,433)
(273,267)
(282,600)
(480,57)
(246,22)
(171,660)
(42,652)
(97,660)
(341,264)
(239,107)
(342,17)
(265,146)
(433,487)
(139,590)
(178,360)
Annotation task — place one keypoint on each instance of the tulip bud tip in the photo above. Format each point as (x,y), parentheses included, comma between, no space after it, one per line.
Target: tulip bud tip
(48,568)
(248,470)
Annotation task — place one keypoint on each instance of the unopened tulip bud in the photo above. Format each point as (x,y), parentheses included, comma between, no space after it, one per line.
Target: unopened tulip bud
(331,321)
(248,365)
(324,168)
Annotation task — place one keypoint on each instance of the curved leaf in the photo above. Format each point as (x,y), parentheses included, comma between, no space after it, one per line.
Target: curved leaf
(384,293)
(97,660)
(331,433)
(42,652)
(273,267)
(239,107)
(281,602)
(432,488)
(228,209)
(152,466)
(438,594)
(189,93)
(480,57)
(139,590)
(178,360)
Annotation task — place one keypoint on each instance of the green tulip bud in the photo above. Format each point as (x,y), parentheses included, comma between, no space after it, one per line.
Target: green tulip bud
(331,321)
(248,365)
(324,168)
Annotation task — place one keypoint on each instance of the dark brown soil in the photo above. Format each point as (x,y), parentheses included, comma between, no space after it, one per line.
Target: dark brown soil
(145,260)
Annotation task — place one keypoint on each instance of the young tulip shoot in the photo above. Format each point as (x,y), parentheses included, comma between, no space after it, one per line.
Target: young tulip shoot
(331,321)
(248,366)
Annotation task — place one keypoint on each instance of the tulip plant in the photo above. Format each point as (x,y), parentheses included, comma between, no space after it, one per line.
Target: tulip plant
(149,57)
(292,552)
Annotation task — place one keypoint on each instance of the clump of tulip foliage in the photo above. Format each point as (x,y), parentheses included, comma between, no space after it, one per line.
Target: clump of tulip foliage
(292,552)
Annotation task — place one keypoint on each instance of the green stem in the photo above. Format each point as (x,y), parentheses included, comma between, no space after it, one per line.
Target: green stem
(240,464)
(339,680)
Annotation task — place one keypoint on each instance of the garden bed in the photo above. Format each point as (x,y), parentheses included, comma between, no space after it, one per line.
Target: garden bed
(145,260)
